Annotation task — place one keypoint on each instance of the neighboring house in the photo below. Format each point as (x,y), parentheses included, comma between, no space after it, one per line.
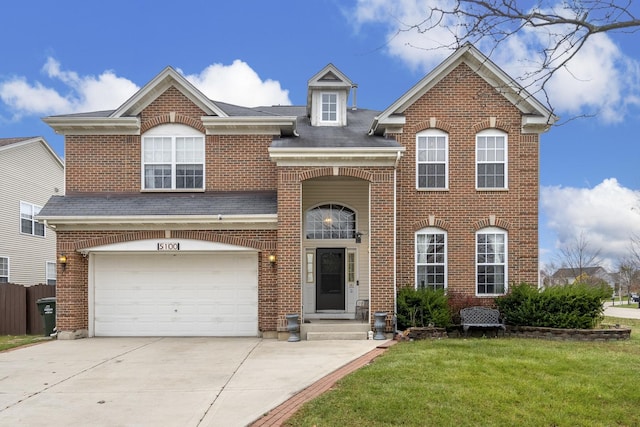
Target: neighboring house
(567,276)
(30,172)
(187,216)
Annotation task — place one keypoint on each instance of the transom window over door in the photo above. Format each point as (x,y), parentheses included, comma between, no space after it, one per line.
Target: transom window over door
(491,159)
(432,152)
(330,221)
(173,162)
(431,258)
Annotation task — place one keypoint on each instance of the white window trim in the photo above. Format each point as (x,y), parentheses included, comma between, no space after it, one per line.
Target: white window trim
(493,230)
(494,132)
(339,108)
(173,131)
(431,230)
(8,268)
(46,271)
(33,220)
(434,132)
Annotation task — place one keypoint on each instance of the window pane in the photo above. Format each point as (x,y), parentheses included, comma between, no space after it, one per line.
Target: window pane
(330,222)
(157,176)
(189,176)
(491,263)
(430,260)
(4,267)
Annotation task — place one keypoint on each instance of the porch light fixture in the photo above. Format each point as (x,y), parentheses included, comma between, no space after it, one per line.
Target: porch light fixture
(358,237)
(272,259)
(62,259)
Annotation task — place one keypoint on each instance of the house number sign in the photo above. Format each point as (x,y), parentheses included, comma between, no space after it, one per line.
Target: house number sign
(175,246)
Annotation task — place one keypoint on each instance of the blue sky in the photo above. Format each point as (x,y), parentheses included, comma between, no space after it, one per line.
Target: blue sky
(72,56)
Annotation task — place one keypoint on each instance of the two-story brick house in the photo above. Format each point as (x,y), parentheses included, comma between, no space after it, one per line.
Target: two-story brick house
(186,216)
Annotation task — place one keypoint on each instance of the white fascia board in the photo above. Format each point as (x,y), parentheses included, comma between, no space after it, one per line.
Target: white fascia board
(249,125)
(387,156)
(94,125)
(537,124)
(160,219)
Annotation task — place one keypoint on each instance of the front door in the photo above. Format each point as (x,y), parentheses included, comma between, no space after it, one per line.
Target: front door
(330,279)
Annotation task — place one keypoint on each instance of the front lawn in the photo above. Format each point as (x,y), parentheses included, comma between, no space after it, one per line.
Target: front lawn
(489,382)
(12,341)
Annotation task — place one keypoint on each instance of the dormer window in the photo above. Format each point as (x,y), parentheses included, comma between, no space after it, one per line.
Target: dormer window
(327,95)
(329,107)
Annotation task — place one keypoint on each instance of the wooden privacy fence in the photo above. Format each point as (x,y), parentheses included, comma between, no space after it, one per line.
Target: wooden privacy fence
(19,313)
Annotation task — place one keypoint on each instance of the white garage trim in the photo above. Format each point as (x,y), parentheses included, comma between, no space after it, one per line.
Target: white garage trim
(173,292)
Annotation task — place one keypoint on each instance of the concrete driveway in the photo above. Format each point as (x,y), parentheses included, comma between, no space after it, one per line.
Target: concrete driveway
(161,381)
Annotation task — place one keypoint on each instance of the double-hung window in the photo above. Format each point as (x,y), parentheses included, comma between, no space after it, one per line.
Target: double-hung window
(173,162)
(491,160)
(491,261)
(432,158)
(28,223)
(431,259)
(4,270)
(329,104)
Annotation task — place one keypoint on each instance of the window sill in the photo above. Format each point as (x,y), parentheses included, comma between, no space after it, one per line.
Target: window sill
(429,190)
(169,190)
(492,190)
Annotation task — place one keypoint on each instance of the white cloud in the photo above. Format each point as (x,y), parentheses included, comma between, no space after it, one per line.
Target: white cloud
(69,92)
(239,84)
(608,214)
(600,79)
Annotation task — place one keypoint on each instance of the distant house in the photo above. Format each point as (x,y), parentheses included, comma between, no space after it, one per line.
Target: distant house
(567,276)
(30,173)
(187,216)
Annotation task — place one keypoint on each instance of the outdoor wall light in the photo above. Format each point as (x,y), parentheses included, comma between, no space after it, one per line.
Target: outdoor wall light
(62,259)
(358,237)
(272,259)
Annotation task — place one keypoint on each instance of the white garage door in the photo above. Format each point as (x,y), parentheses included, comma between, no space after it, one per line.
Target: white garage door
(212,294)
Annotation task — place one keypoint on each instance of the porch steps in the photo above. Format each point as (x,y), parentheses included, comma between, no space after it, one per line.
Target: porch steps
(319,330)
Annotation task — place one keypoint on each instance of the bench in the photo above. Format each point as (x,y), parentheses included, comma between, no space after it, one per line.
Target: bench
(480,317)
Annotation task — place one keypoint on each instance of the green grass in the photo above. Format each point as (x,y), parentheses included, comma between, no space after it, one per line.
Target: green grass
(489,382)
(13,341)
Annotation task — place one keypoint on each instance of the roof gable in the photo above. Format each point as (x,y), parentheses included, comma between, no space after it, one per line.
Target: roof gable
(9,143)
(536,117)
(158,85)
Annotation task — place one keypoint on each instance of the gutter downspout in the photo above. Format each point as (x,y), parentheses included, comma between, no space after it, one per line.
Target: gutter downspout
(395,242)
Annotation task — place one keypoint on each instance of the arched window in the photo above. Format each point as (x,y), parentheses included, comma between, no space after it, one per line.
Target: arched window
(173,158)
(330,221)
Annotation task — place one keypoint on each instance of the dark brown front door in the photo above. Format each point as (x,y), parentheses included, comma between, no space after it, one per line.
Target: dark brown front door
(330,279)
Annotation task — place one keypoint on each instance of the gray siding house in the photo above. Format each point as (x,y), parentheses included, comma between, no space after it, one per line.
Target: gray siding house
(30,172)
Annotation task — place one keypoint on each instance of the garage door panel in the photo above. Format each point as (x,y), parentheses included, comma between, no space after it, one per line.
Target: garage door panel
(212,294)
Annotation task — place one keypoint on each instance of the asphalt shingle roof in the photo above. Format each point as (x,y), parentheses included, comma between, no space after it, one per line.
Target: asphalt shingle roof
(149,204)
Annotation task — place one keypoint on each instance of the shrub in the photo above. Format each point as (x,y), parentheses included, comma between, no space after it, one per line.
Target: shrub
(576,306)
(422,307)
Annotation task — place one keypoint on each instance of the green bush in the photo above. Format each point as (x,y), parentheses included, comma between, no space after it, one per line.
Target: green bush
(576,306)
(422,307)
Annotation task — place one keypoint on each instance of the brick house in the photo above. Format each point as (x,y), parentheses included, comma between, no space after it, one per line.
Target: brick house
(186,216)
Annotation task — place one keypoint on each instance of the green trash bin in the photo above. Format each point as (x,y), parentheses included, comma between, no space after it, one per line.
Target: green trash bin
(47,309)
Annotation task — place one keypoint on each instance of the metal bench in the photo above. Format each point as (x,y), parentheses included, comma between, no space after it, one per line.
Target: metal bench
(480,317)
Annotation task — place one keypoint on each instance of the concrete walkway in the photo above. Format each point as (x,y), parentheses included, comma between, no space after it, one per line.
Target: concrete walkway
(162,381)
(625,313)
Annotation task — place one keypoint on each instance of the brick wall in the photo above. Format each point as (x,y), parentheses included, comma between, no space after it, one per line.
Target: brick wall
(112,163)
(463,104)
